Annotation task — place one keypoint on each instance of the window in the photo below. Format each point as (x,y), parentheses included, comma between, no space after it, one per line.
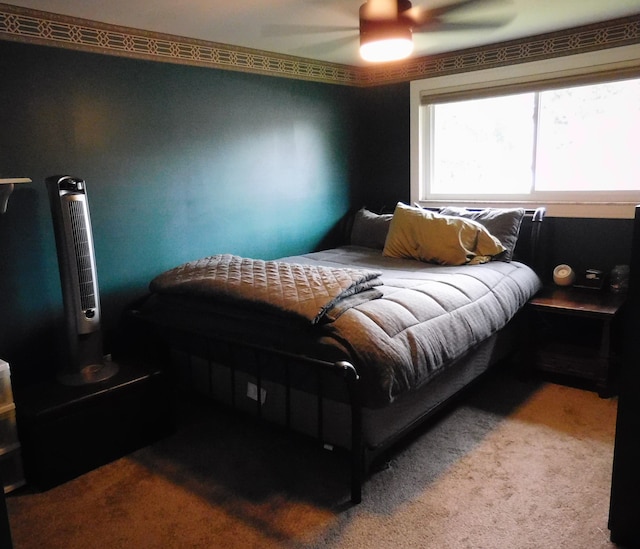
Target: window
(578,139)
(547,137)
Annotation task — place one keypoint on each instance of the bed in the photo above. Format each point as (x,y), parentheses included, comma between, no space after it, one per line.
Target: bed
(355,345)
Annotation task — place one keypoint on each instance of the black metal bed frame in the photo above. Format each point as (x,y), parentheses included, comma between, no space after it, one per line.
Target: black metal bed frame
(221,350)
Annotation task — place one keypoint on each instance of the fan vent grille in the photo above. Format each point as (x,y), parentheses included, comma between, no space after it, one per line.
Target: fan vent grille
(77,215)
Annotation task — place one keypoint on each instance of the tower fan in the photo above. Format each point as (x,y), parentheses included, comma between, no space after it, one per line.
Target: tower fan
(84,362)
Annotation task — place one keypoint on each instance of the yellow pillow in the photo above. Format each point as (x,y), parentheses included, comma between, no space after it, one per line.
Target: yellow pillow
(434,238)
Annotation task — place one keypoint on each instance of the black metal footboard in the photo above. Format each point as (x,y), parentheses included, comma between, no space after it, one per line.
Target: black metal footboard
(319,380)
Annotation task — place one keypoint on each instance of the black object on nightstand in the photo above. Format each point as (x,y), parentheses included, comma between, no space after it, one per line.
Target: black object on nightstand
(66,431)
(575,333)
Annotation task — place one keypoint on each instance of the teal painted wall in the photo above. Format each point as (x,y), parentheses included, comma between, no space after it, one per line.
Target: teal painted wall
(180,162)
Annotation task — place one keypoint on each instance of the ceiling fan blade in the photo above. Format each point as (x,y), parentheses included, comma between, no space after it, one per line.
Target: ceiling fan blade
(421,16)
(462,4)
(439,25)
(292,30)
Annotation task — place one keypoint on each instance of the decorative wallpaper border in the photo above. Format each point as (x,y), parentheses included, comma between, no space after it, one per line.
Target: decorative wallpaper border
(44,28)
(610,34)
(49,29)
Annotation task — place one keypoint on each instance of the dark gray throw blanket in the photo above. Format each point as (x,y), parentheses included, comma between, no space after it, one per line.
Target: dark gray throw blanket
(312,292)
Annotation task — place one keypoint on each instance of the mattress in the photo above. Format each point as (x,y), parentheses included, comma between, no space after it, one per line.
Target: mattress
(425,317)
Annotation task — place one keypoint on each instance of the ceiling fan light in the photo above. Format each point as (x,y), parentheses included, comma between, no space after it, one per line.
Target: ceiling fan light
(383,40)
(386,49)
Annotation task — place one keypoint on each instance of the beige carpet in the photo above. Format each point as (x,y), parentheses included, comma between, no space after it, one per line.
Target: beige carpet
(515,465)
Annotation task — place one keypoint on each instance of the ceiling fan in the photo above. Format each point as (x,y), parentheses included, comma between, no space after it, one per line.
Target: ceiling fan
(387,26)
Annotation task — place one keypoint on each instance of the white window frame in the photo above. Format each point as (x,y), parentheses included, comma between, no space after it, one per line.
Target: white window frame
(613,62)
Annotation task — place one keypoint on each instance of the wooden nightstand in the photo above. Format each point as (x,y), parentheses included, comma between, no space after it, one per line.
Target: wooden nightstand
(575,332)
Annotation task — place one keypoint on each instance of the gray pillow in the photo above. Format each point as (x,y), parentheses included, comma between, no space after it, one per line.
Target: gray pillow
(503,223)
(370,229)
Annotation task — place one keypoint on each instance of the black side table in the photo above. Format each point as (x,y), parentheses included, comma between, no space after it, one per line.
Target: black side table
(66,431)
(575,332)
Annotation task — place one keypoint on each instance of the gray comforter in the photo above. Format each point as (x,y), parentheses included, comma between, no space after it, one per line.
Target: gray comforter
(426,316)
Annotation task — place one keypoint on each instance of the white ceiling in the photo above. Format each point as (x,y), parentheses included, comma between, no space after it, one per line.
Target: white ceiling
(327,30)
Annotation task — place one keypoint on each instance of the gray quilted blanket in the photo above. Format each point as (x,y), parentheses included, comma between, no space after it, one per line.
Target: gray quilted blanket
(312,292)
